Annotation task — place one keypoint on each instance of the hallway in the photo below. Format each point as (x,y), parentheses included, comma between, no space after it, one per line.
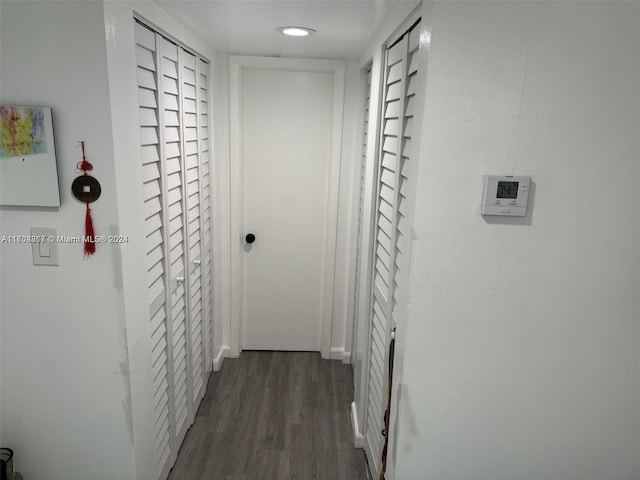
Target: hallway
(516,351)
(274,415)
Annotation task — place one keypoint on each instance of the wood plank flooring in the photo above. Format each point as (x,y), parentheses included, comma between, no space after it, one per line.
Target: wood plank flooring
(274,416)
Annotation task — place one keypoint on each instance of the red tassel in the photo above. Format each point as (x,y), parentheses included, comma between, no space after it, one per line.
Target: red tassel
(89,238)
(84,165)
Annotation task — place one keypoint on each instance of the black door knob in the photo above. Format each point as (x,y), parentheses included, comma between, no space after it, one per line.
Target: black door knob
(250,238)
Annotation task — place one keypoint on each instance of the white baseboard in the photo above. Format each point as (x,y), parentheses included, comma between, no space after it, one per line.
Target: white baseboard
(338,353)
(346,357)
(223,352)
(358,436)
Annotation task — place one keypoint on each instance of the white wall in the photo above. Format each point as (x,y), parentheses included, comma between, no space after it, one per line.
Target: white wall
(64,379)
(522,344)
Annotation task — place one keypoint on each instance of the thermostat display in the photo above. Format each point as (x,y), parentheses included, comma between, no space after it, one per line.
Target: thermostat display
(508,189)
(505,195)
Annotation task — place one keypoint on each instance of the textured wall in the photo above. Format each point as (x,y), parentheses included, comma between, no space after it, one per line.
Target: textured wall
(521,348)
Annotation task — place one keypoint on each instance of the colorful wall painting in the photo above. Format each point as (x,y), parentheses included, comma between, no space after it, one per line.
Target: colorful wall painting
(28,170)
(22,131)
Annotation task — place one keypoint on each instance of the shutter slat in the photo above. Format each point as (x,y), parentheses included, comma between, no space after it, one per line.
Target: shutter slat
(191,134)
(171,134)
(172,150)
(145,37)
(170,102)
(147,98)
(408,127)
(389,161)
(390,145)
(151,189)
(395,53)
(387,178)
(395,73)
(169,84)
(392,127)
(146,79)
(189,120)
(150,172)
(189,105)
(144,58)
(394,91)
(189,61)
(171,118)
(189,91)
(191,150)
(149,154)
(413,63)
(410,106)
(148,136)
(169,70)
(386,209)
(392,109)
(148,117)
(412,85)
(387,194)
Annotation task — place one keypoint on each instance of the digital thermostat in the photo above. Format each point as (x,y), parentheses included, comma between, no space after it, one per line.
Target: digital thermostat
(505,195)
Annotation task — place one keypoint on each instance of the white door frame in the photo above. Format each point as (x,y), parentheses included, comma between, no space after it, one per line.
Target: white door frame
(236,66)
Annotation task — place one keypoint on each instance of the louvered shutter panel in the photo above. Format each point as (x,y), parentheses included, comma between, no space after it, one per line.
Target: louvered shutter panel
(383,256)
(172,158)
(205,189)
(391,232)
(172,96)
(363,165)
(146,58)
(403,226)
(192,168)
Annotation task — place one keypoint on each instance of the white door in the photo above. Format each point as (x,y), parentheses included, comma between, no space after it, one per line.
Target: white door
(286,154)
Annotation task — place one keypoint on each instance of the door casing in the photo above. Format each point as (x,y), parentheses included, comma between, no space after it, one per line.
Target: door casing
(236,66)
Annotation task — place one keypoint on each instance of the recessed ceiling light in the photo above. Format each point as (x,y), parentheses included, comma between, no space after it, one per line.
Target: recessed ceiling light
(295,31)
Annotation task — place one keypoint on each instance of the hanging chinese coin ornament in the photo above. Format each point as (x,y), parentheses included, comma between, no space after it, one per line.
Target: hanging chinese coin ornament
(87,189)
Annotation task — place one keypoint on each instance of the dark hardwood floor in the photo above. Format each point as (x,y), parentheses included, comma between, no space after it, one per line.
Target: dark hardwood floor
(274,416)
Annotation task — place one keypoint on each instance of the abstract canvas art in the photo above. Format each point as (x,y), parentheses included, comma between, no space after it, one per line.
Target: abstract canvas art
(22,131)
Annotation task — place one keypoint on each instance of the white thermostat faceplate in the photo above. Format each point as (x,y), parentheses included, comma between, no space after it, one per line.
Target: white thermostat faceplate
(505,195)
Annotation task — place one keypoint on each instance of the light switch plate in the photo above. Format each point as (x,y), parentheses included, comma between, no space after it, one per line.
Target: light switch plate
(44,246)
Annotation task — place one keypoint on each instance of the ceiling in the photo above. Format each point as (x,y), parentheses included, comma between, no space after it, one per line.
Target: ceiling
(248,27)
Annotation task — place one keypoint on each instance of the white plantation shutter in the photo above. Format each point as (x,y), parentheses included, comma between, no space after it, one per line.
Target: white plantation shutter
(193,229)
(403,226)
(205,202)
(363,165)
(391,229)
(173,154)
(171,148)
(155,229)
